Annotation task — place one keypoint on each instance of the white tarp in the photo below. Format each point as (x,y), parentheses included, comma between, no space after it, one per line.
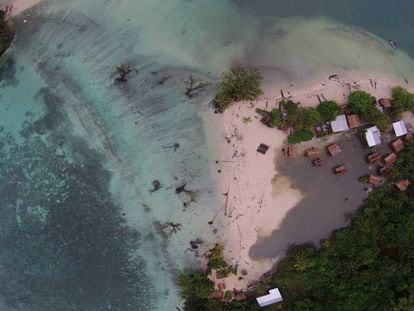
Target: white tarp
(340,124)
(273,297)
(373,136)
(399,128)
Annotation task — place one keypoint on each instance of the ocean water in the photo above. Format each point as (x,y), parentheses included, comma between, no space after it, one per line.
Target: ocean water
(80,228)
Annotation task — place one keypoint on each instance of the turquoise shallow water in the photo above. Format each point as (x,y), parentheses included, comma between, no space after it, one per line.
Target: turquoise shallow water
(79,152)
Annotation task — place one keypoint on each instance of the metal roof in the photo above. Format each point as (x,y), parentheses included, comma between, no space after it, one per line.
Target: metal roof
(399,128)
(339,124)
(274,296)
(373,136)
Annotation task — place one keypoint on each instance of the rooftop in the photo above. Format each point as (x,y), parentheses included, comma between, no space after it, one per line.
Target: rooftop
(373,136)
(399,128)
(339,124)
(353,121)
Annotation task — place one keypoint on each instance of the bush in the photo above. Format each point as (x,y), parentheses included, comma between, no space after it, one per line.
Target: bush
(238,84)
(228,295)
(329,110)
(360,102)
(300,118)
(402,100)
(195,284)
(299,136)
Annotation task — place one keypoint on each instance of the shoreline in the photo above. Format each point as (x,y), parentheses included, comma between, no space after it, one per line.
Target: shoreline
(259,197)
(19,6)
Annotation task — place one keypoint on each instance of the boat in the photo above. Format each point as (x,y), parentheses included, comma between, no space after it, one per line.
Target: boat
(393,44)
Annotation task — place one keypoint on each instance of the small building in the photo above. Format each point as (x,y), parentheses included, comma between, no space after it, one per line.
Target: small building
(217,294)
(262,148)
(403,184)
(376,180)
(390,159)
(385,103)
(353,121)
(273,297)
(339,124)
(340,169)
(373,136)
(292,151)
(399,128)
(240,296)
(334,150)
(313,153)
(373,158)
(322,130)
(318,162)
(398,145)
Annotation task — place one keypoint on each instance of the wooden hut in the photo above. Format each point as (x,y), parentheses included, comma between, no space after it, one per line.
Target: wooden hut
(340,169)
(373,158)
(385,103)
(353,121)
(403,184)
(376,180)
(217,294)
(313,153)
(318,162)
(292,151)
(398,145)
(390,159)
(334,149)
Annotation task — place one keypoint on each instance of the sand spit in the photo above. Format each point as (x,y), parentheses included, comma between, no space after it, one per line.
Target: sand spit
(256,197)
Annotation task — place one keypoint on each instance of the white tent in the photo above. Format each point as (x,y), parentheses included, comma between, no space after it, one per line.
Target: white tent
(273,297)
(339,124)
(399,128)
(373,136)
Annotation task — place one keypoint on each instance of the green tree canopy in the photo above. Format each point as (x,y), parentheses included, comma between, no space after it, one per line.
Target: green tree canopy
(361,102)
(402,100)
(299,136)
(329,110)
(195,285)
(238,84)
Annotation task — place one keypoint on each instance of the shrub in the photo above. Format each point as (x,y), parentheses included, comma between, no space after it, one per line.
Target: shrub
(228,295)
(276,117)
(195,284)
(299,136)
(329,110)
(360,102)
(238,84)
(402,100)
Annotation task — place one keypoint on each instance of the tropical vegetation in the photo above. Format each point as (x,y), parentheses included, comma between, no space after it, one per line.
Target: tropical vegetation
(329,110)
(402,100)
(363,104)
(238,84)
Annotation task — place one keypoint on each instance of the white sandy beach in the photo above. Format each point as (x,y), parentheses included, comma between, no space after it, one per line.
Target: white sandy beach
(259,198)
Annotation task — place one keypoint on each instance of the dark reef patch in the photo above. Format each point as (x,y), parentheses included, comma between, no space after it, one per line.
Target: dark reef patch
(64,243)
(8,73)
